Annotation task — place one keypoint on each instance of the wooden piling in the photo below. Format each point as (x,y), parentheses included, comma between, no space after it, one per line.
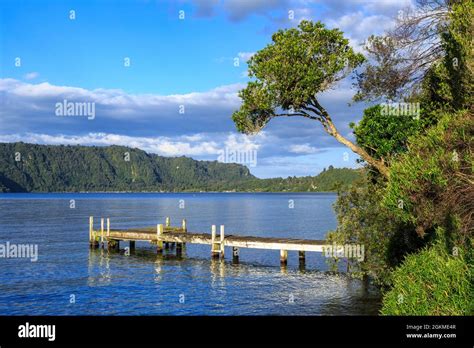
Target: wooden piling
(301,256)
(179,249)
(113,244)
(235,255)
(102,232)
(167,245)
(283,257)
(302,259)
(91,230)
(94,235)
(159,233)
(184,230)
(132,245)
(222,245)
(214,243)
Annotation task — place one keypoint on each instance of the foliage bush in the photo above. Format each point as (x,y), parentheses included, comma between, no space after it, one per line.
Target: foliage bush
(431,282)
(384,136)
(363,220)
(427,200)
(435,179)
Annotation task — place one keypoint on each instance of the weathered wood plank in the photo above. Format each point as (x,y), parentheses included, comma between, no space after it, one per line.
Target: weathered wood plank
(230,240)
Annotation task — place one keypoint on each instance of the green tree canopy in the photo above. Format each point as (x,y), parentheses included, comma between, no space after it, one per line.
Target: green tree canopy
(384,136)
(290,72)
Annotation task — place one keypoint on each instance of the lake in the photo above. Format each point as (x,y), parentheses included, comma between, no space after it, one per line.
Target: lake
(70,279)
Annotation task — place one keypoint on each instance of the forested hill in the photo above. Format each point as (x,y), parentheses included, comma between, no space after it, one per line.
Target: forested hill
(328,180)
(48,168)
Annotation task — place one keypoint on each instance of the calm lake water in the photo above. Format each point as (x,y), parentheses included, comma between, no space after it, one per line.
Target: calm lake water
(145,283)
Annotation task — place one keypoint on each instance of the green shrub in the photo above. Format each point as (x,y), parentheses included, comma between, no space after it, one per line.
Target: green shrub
(363,220)
(434,179)
(431,282)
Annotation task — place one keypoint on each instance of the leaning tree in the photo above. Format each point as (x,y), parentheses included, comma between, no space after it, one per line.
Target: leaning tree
(288,75)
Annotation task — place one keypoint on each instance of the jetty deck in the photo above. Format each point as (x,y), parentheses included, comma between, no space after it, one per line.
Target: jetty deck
(165,236)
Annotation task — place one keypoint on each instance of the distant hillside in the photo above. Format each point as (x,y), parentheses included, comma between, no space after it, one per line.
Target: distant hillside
(328,180)
(47,168)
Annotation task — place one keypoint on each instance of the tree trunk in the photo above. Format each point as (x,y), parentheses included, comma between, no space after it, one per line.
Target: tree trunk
(330,128)
(378,164)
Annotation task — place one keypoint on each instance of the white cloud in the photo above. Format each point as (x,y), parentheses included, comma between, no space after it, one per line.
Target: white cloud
(152,122)
(303,149)
(358,26)
(388,7)
(31,75)
(244,142)
(245,56)
(220,95)
(198,145)
(29,107)
(164,146)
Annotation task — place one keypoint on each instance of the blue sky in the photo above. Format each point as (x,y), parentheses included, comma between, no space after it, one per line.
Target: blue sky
(174,63)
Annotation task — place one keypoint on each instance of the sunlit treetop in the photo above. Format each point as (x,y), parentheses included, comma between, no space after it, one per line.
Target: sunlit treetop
(290,72)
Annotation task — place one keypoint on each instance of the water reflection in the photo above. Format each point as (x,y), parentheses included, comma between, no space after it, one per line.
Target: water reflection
(233,289)
(144,283)
(105,275)
(158,268)
(218,268)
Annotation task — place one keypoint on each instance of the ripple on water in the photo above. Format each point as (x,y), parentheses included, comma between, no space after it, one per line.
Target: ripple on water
(148,284)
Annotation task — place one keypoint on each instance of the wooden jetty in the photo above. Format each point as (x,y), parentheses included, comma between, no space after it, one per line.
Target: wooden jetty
(164,236)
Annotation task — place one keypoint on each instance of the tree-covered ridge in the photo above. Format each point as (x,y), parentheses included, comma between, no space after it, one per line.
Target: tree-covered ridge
(332,179)
(48,168)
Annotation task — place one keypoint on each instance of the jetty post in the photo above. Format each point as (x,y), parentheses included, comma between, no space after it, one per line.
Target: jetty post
(102,232)
(167,224)
(112,244)
(283,257)
(95,236)
(301,259)
(222,245)
(91,231)
(235,255)
(215,248)
(180,246)
(179,249)
(159,233)
(184,229)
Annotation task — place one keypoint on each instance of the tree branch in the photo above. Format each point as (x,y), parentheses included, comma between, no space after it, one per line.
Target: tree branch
(332,130)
